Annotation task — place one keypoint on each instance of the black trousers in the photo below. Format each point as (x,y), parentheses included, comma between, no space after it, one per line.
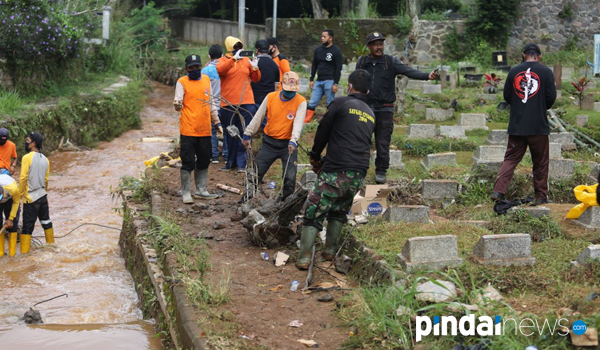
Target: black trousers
(384,127)
(271,150)
(195,152)
(5,208)
(33,211)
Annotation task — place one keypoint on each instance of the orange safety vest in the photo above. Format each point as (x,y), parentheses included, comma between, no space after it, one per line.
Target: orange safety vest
(281,114)
(195,119)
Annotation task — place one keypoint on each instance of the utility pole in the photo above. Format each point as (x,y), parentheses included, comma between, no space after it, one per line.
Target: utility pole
(242,20)
(274,18)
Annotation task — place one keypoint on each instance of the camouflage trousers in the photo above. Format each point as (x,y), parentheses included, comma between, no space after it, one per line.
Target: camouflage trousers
(331,197)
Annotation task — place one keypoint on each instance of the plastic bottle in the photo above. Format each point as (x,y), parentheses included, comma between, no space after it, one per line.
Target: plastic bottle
(294,286)
(264,255)
(531,347)
(272,184)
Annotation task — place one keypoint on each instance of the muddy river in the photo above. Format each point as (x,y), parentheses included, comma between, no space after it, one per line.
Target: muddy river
(101,310)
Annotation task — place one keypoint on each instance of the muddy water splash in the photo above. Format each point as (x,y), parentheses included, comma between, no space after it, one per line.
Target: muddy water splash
(101,311)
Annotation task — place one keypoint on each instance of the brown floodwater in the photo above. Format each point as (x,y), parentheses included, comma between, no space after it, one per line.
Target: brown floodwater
(101,310)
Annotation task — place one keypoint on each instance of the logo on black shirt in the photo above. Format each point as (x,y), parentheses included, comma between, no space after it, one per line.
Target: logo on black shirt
(526,85)
(329,56)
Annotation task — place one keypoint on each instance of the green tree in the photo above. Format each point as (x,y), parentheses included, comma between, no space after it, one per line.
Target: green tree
(493,20)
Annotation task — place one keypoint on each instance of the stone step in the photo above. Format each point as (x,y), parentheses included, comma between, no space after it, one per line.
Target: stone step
(497,137)
(472,121)
(429,253)
(395,159)
(421,131)
(590,253)
(536,212)
(432,89)
(489,153)
(561,168)
(439,189)
(439,159)
(566,139)
(407,213)
(453,131)
(590,218)
(438,114)
(504,250)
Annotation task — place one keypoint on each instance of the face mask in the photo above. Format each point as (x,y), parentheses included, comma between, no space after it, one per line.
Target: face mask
(27,147)
(2,142)
(195,74)
(271,52)
(289,94)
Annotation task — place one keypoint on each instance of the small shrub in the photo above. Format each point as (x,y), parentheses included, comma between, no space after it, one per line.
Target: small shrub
(423,147)
(403,23)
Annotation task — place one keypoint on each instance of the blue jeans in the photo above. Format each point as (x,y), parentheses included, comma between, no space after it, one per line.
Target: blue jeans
(320,88)
(215,144)
(236,151)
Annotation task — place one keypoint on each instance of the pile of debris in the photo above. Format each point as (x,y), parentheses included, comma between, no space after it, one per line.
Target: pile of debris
(270,222)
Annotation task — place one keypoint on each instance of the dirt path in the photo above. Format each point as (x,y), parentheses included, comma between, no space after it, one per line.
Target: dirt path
(263,314)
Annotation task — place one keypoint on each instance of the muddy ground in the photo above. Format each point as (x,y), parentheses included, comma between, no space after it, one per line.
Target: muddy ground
(261,310)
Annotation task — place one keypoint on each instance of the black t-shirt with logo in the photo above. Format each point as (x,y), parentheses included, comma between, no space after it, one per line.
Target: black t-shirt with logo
(346,130)
(530,90)
(327,61)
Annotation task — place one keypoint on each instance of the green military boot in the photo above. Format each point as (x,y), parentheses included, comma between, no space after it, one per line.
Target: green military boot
(334,230)
(307,241)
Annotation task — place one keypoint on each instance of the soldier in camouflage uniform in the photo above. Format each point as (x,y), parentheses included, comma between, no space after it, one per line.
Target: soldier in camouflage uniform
(346,130)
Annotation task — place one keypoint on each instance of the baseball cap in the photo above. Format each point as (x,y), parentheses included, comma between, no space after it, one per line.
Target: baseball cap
(3,134)
(532,48)
(374,36)
(262,46)
(193,60)
(291,81)
(37,138)
(272,41)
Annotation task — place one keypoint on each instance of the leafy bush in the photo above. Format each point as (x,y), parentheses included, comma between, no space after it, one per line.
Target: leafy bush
(403,23)
(33,28)
(455,46)
(520,221)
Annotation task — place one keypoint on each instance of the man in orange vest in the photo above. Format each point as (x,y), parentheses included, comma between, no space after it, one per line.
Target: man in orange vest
(236,73)
(192,96)
(285,111)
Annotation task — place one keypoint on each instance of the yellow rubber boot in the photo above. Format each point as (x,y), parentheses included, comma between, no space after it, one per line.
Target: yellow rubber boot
(49,235)
(25,243)
(2,239)
(12,243)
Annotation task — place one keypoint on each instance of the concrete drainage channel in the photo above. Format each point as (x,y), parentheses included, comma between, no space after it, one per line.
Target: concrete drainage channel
(175,311)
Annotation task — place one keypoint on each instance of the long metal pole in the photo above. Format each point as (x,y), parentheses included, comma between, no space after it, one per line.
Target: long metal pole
(242,21)
(274,18)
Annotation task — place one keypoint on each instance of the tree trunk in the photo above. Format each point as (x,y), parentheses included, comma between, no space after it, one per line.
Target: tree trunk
(363,8)
(345,10)
(414,8)
(317,9)
(264,10)
(209,9)
(223,9)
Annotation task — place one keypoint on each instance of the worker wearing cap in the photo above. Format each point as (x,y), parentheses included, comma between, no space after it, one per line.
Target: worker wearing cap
(269,73)
(33,187)
(285,111)
(8,153)
(530,91)
(236,73)
(327,66)
(282,62)
(346,131)
(10,197)
(192,99)
(382,95)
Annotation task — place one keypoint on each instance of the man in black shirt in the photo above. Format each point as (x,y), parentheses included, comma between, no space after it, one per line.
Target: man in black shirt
(346,130)
(269,73)
(327,64)
(530,91)
(382,95)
